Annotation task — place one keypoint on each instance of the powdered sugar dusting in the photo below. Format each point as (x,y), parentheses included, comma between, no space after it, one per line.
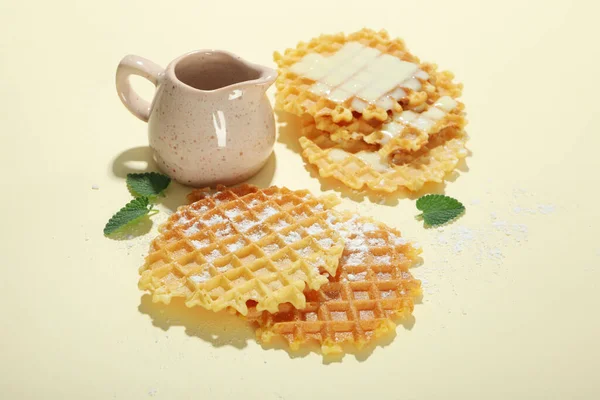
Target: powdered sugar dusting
(254,203)
(546,208)
(376,242)
(256,236)
(357,243)
(270,248)
(245,225)
(236,245)
(225,268)
(479,245)
(223,231)
(305,251)
(382,260)
(182,220)
(355,259)
(215,219)
(292,237)
(267,212)
(200,243)
(233,212)
(280,224)
(213,255)
(399,241)
(201,278)
(325,243)
(369,227)
(191,230)
(314,229)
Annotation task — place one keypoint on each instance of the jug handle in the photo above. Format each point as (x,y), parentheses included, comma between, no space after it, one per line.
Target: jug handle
(135,65)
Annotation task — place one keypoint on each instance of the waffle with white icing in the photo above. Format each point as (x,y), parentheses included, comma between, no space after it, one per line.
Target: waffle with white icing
(367,86)
(362,302)
(242,244)
(385,173)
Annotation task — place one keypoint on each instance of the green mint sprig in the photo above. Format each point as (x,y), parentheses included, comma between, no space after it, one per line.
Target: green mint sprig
(146,187)
(149,184)
(438,209)
(133,211)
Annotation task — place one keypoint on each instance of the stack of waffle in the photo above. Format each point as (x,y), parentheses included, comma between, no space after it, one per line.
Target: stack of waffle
(372,114)
(287,262)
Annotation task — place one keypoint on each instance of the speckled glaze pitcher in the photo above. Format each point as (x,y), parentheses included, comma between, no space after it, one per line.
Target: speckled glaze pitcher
(210,121)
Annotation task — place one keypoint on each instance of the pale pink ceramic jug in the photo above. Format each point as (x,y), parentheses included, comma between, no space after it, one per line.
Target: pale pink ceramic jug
(210,121)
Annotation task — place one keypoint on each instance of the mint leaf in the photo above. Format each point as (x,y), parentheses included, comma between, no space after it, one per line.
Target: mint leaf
(149,184)
(439,209)
(132,211)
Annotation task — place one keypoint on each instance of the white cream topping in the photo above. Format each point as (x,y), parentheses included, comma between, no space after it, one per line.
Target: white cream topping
(358,71)
(423,121)
(373,159)
(338,155)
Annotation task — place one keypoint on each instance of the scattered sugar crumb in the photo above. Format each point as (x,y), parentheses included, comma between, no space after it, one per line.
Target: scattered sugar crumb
(475,202)
(152,392)
(546,208)
(488,241)
(95,187)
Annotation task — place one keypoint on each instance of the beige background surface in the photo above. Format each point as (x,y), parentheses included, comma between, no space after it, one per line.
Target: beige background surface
(510,306)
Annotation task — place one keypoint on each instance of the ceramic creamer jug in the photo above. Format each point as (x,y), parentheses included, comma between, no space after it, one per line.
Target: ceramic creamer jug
(210,120)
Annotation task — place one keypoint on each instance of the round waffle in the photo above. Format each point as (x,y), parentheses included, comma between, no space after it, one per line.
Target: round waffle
(383,172)
(371,290)
(334,95)
(241,244)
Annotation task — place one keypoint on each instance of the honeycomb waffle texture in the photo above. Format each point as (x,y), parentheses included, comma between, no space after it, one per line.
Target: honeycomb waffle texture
(341,120)
(362,302)
(411,170)
(241,244)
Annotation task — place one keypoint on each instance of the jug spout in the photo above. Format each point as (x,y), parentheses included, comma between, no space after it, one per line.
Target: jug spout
(216,71)
(267,77)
